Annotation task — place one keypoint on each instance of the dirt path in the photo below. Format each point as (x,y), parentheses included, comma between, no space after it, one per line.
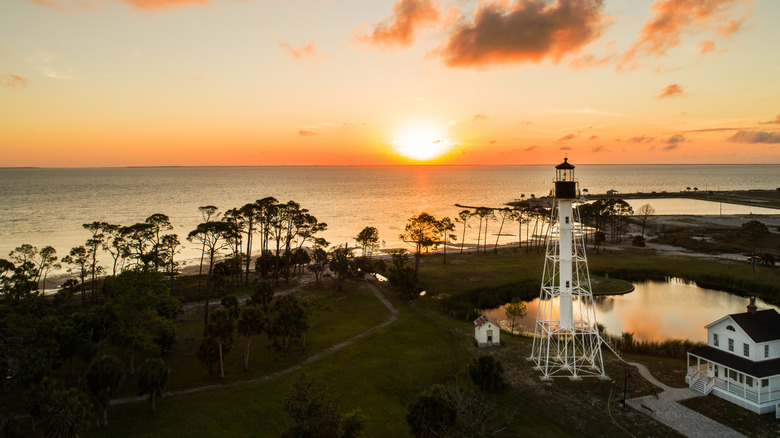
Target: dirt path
(293,368)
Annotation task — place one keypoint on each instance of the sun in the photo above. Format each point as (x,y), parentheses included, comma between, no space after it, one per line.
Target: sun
(421,141)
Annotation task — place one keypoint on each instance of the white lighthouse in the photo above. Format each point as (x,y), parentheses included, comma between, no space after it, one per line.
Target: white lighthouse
(566,337)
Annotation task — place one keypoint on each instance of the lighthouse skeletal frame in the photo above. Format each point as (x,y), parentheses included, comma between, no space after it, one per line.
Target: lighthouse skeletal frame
(566,337)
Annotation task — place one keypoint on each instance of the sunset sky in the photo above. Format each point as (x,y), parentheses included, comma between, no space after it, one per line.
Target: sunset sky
(350,82)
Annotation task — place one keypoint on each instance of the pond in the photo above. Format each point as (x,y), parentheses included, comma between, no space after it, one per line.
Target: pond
(656,311)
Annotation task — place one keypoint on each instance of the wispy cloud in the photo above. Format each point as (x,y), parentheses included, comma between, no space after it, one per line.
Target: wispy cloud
(162,4)
(677,138)
(400,29)
(706,46)
(308,51)
(641,139)
(593,137)
(527,31)
(531,148)
(597,149)
(673,18)
(479,117)
(711,129)
(567,138)
(755,137)
(775,121)
(565,148)
(581,111)
(306,133)
(13,81)
(673,90)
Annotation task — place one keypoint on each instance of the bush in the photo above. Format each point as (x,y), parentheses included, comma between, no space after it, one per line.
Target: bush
(638,241)
(487,373)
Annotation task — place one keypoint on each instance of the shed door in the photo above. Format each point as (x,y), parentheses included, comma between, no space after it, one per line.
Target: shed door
(490,335)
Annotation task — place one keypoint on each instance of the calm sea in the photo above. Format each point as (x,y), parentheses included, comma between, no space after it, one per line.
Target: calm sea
(48,206)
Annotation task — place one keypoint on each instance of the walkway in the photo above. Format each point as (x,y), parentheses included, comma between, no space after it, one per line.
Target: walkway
(296,367)
(665,409)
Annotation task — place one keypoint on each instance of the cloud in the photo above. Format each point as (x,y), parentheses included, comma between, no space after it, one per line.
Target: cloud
(597,149)
(527,123)
(755,137)
(671,147)
(479,117)
(672,19)
(306,133)
(775,121)
(400,29)
(593,137)
(531,148)
(309,51)
(566,138)
(496,141)
(706,46)
(161,4)
(565,148)
(641,139)
(673,90)
(13,81)
(677,138)
(712,129)
(527,31)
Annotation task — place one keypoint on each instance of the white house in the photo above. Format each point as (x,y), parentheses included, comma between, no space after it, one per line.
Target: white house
(486,331)
(741,361)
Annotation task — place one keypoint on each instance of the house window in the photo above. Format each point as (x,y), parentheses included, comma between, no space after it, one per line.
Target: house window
(740,378)
(730,328)
(715,340)
(766,350)
(764,383)
(746,350)
(567,219)
(748,381)
(731,344)
(732,375)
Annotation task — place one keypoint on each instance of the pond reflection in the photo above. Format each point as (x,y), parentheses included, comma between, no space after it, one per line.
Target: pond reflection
(656,311)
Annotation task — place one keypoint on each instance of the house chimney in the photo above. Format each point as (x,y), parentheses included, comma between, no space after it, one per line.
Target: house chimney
(751,308)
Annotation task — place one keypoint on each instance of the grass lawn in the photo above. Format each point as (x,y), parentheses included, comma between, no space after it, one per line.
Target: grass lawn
(382,372)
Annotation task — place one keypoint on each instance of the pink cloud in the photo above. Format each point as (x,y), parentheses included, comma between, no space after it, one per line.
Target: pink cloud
(400,29)
(13,81)
(309,51)
(706,46)
(673,90)
(306,133)
(673,18)
(528,31)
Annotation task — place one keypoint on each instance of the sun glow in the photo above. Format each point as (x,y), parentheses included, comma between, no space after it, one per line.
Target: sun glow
(421,141)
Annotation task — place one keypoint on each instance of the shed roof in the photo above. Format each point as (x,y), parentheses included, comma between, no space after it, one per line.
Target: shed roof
(483,319)
(760,370)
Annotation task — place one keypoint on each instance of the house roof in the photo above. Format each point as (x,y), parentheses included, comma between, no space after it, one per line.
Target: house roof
(483,319)
(760,370)
(761,326)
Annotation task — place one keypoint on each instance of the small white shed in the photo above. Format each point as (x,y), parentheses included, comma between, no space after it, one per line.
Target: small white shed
(486,331)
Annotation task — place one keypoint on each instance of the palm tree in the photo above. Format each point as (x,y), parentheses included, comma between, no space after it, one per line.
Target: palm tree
(463,217)
(251,322)
(152,379)
(104,377)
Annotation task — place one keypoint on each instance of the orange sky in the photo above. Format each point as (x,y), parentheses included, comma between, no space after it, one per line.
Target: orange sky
(251,82)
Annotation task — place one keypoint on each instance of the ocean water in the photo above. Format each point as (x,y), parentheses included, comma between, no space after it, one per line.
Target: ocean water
(48,206)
